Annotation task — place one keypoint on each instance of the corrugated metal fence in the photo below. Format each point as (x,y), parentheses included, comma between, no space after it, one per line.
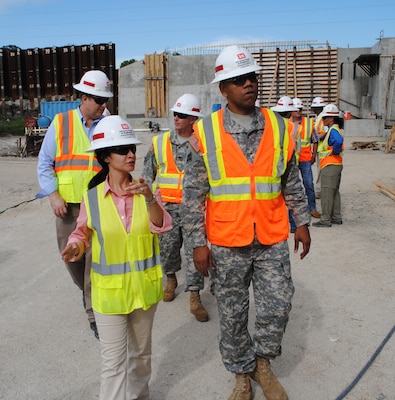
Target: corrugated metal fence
(29,76)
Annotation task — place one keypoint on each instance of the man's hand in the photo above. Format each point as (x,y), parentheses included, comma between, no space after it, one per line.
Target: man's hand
(203,260)
(59,206)
(302,234)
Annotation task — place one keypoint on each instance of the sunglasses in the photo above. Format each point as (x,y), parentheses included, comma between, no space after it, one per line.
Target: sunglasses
(123,150)
(241,80)
(179,115)
(99,100)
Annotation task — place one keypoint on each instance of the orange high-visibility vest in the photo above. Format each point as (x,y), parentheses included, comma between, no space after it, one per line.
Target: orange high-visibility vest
(169,177)
(325,151)
(245,199)
(74,167)
(305,139)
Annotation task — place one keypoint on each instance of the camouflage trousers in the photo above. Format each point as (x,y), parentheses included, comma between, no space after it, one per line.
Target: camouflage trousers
(171,245)
(268,269)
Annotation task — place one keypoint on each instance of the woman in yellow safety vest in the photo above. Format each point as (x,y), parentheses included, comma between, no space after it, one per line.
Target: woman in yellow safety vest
(121,217)
(330,151)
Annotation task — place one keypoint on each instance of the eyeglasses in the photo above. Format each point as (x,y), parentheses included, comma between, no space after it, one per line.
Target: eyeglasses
(123,150)
(99,100)
(241,80)
(179,115)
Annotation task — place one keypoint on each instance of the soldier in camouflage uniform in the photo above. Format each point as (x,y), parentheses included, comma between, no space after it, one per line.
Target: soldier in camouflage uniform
(243,215)
(165,163)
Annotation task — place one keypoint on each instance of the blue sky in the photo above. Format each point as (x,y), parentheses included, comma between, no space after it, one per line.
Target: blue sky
(150,26)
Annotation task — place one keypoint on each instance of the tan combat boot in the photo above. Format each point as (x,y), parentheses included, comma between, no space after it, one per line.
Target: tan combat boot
(169,291)
(242,390)
(271,387)
(197,308)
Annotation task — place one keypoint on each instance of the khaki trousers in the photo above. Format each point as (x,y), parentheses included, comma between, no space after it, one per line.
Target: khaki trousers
(125,346)
(80,270)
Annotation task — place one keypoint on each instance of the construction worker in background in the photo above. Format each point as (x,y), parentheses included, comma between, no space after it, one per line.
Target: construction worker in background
(317,105)
(64,170)
(285,107)
(305,154)
(121,218)
(165,163)
(237,185)
(330,150)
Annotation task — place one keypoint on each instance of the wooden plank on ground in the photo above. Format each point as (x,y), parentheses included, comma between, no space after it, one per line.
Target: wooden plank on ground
(385,190)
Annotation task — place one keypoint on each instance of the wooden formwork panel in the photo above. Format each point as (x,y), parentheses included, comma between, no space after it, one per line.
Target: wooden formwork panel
(303,73)
(156,102)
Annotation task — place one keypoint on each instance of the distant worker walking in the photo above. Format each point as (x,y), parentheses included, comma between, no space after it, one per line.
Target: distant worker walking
(64,170)
(165,163)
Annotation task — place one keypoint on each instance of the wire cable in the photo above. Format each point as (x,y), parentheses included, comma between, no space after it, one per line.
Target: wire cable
(16,205)
(365,368)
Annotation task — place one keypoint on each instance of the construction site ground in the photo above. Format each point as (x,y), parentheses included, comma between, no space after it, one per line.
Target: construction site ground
(343,308)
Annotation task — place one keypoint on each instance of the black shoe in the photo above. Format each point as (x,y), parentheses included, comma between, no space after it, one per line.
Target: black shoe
(94,329)
(319,224)
(337,222)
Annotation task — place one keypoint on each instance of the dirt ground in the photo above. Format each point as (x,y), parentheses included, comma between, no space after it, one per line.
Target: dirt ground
(344,304)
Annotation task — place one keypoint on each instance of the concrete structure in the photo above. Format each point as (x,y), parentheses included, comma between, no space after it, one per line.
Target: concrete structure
(365,88)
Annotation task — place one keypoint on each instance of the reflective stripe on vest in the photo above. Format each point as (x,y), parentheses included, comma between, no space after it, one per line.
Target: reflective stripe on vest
(169,177)
(126,272)
(243,196)
(73,166)
(325,156)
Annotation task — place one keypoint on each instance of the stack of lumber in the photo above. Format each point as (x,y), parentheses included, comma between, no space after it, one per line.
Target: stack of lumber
(386,190)
(365,146)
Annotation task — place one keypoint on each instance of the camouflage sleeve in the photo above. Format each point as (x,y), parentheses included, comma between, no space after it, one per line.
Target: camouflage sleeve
(294,194)
(150,167)
(193,208)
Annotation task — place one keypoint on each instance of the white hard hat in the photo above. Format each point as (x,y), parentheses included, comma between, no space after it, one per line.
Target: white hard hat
(330,110)
(188,104)
(234,61)
(318,102)
(284,104)
(95,83)
(112,131)
(297,102)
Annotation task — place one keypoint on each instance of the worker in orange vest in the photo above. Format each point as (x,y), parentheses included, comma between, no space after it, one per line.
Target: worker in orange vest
(240,180)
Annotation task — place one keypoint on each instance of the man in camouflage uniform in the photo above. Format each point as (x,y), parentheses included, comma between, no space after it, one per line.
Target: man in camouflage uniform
(165,163)
(239,213)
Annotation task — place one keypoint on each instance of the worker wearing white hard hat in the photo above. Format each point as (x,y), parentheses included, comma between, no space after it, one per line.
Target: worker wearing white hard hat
(121,213)
(164,167)
(234,180)
(330,151)
(305,156)
(284,106)
(64,169)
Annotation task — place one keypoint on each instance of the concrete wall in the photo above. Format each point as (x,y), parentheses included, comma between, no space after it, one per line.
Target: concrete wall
(369,99)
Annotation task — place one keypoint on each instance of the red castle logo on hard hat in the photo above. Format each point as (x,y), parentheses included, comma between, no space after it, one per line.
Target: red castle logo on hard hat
(125,126)
(241,56)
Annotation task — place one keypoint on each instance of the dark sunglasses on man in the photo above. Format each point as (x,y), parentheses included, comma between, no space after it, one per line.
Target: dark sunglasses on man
(242,79)
(180,115)
(99,100)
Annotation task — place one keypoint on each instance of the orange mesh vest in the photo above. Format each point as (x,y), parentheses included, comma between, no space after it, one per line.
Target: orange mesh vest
(169,177)
(245,199)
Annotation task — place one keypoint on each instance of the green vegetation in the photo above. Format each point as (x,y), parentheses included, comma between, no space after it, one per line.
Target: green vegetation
(12,125)
(127,62)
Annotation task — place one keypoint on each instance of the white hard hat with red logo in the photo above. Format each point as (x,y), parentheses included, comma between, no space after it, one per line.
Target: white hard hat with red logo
(112,131)
(234,61)
(297,102)
(330,110)
(284,104)
(95,83)
(318,102)
(188,104)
